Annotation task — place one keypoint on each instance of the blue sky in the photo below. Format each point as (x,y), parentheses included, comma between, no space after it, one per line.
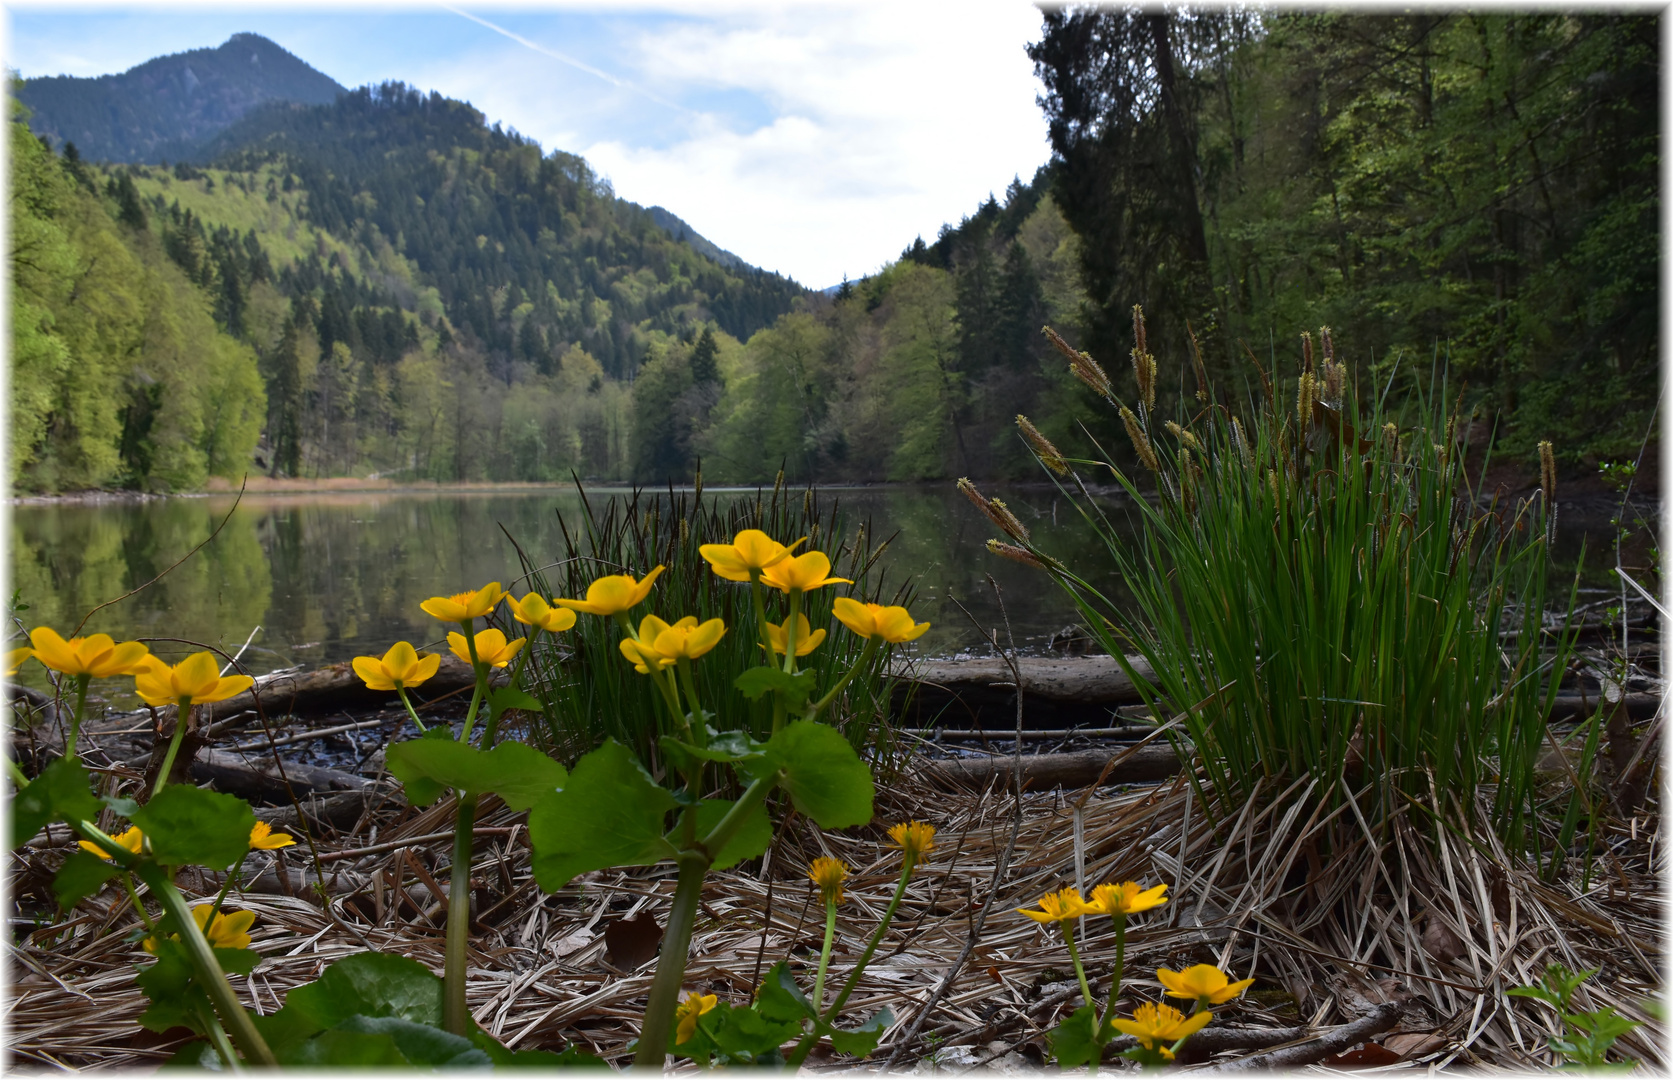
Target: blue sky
(815,139)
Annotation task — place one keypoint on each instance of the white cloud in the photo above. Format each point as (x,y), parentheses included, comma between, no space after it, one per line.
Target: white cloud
(815,141)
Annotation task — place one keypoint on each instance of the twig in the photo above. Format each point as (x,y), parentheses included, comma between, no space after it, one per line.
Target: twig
(1314,1050)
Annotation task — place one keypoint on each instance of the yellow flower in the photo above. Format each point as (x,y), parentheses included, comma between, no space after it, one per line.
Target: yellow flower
(1125,899)
(196,680)
(401,668)
(133,840)
(533,610)
(491,647)
(828,874)
(263,838)
(97,656)
(915,838)
(802,573)
(1059,907)
(225,931)
(465,605)
(613,594)
(751,549)
(662,644)
(1203,982)
(687,1012)
(807,639)
(15,659)
(892,624)
(1152,1024)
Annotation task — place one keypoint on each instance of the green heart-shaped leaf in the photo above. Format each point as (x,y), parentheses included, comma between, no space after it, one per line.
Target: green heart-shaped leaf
(609,813)
(188,825)
(516,772)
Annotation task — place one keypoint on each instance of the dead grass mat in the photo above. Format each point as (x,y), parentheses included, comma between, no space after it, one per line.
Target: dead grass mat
(1327,936)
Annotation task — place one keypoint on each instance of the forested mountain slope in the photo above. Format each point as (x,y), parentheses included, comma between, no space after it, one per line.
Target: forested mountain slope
(161,109)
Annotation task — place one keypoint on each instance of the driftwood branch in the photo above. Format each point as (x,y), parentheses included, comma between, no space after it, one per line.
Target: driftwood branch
(1376,1022)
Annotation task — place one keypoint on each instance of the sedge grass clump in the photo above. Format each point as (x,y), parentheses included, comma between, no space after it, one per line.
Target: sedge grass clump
(1326,605)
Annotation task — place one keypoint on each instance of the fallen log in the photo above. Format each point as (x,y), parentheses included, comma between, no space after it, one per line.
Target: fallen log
(1057,691)
(260,780)
(1326,1043)
(1145,764)
(336,811)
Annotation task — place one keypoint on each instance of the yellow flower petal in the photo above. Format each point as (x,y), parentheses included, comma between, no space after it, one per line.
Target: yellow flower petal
(892,624)
(466,605)
(807,638)
(613,594)
(801,573)
(751,549)
(828,874)
(263,838)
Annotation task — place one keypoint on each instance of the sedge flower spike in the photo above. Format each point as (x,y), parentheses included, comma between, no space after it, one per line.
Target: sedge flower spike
(1202,982)
(464,606)
(263,838)
(614,594)
(533,610)
(892,624)
(750,550)
(802,573)
(1125,899)
(1164,1024)
(1059,907)
(97,656)
(687,1012)
(195,680)
(491,647)
(226,930)
(401,668)
(807,638)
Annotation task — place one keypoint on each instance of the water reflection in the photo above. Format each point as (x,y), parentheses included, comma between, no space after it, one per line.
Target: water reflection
(331,576)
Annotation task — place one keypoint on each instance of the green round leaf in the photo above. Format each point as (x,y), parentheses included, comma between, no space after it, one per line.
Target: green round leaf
(187,825)
(823,775)
(610,813)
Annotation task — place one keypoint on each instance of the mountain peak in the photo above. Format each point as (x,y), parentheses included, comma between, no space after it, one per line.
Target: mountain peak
(164,107)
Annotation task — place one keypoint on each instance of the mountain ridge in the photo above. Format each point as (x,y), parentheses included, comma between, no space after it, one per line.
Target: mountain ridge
(160,109)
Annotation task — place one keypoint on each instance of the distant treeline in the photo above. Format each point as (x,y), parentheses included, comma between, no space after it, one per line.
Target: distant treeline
(389,285)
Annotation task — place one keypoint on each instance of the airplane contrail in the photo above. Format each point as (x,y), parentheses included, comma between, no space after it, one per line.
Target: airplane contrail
(561,58)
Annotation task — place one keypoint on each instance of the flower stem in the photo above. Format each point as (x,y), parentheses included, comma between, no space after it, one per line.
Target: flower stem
(790,628)
(455,1015)
(1120,919)
(829,1015)
(401,692)
(1080,970)
(218,1038)
(824,957)
(481,682)
(73,750)
(208,970)
(182,713)
(670,969)
(824,703)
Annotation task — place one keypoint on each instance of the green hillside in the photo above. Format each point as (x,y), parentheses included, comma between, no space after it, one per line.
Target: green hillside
(163,108)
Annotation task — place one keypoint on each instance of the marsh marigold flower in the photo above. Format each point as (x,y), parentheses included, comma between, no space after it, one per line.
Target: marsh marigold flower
(914,838)
(263,838)
(400,668)
(195,680)
(687,1012)
(227,930)
(807,638)
(613,594)
(1202,982)
(892,624)
(802,573)
(491,647)
(1161,1024)
(1125,899)
(466,605)
(133,840)
(15,658)
(661,644)
(1059,907)
(751,549)
(828,874)
(97,656)
(532,610)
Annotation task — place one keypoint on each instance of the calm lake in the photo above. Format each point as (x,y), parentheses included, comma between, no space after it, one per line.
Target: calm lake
(331,576)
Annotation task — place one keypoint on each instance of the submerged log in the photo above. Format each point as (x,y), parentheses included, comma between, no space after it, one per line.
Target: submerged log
(1145,764)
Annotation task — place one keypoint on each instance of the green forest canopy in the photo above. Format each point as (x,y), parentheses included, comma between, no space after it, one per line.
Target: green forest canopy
(389,286)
